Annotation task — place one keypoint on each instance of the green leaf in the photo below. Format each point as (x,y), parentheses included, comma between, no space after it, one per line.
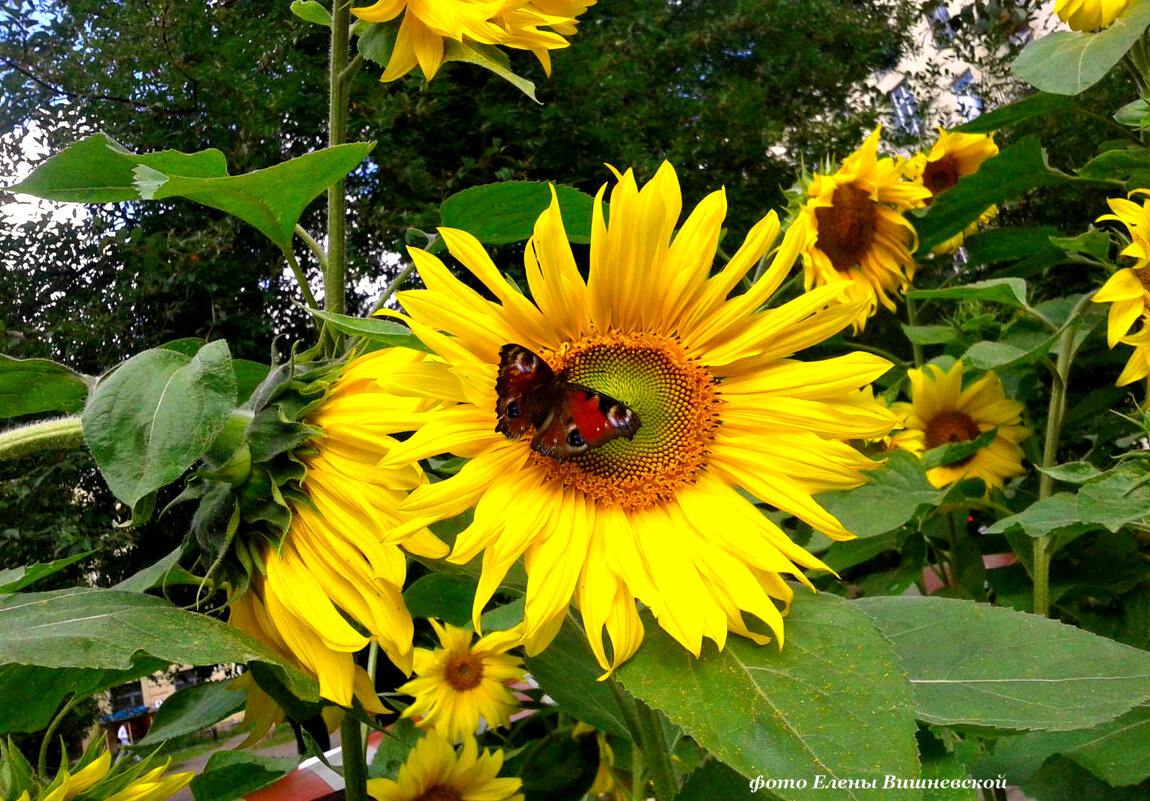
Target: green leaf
(1010,291)
(490,58)
(947,769)
(1058,513)
(438,595)
(569,673)
(156,415)
(398,740)
(17,578)
(1018,168)
(559,767)
(1071,472)
(1001,356)
(1019,111)
(1092,243)
(194,708)
(1062,779)
(1134,113)
(233,774)
(387,333)
(891,496)
(311,11)
(1013,244)
(33,694)
(930,334)
(99,170)
(795,713)
(164,573)
(377,42)
(717,782)
(1120,165)
(31,386)
(957,451)
(1067,63)
(16,774)
(500,213)
(1116,498)
(249,375)
(109,629)
(992,668)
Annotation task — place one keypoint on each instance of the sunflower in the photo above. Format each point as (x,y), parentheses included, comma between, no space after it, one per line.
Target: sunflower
(953,156)
(860,233)
(428,24)
(341,558)
(434,772)
(459,683)
(1090,15)
(1138,365)
(941,412)
(723,409)
(1128,290)
(127,783)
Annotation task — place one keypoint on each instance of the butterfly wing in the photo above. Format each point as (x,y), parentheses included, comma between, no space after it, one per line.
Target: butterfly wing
(525,387)
(583,419)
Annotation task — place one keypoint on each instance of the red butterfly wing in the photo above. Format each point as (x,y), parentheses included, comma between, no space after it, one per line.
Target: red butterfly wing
(583,419)
(525,387)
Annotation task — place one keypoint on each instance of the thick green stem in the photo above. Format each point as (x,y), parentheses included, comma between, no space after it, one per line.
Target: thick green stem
(372,665)
(912,320)
(49,735)
(51,435)
(1044,546)
(354,764)
(393,287)
(335,271)
(655,752)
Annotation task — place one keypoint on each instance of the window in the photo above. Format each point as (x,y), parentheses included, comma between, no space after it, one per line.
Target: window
(968,101)
(1022,36)
(940,25)
(905,109)
(127,696)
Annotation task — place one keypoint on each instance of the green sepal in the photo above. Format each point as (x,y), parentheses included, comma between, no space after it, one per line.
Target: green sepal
(234,471)
(271,432)
(260,500)
(16,774)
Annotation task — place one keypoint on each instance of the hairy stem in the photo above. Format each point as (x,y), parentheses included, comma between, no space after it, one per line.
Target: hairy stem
(64,433)
(42,762)
(655,752)
(334,274)
(354,764)
(301,279)
(911,320)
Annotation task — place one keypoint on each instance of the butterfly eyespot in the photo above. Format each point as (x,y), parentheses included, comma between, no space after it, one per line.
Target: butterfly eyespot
(513,410)
(575,439)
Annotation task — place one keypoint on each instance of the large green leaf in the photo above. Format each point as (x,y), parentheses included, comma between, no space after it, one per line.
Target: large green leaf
(441,596)
(233,774)
(1010,291)
(31,386)
(1016,112)
(569,673)
(99,170)
(1031,245)
(501,213)
(192,709)
(1056,514)
(156,415)
(14,579)
(1116,498)
(833,702)
(490,58)
(385,333)
(988,667)
(1067,63)
(1063,779)
(109,629)
(1018,168)
(891,496)
(32,695)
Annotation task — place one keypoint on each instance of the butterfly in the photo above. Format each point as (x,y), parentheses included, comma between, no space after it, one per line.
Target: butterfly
(569,419)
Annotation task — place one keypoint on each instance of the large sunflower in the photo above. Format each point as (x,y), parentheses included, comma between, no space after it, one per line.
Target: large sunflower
(434,772)
(860,233)
(723,408)
(953,156)
(1090,15)
(460,683)
(941,412)
(428,24)
(341,557)
(1128,290)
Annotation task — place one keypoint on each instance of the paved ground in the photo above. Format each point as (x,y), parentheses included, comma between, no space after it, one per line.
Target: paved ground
(198,762)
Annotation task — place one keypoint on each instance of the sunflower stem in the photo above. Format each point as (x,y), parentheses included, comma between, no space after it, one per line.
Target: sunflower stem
(912,320)
(49,735)
(1044,546)
(62,434)
(372,664)
(393,287)
(655,752)
(354,766)
(334,275)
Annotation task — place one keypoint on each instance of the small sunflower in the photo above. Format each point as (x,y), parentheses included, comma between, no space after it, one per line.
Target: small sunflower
(125,782)
(1128,290)
(953,156)
(428,24)
(606,783)
(941,412)
(434,772)
(1090,15)
(460,683)
(341,557)
(724,407)
(860,233)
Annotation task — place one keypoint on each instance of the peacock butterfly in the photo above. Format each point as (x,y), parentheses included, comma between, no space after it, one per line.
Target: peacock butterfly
(569,419)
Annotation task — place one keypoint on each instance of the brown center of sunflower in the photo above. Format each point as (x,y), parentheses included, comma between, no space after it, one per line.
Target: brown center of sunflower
(947,428)
(938,176)
(847,226)
(439,793)
(675,400)
(464,672)
(1144,278)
